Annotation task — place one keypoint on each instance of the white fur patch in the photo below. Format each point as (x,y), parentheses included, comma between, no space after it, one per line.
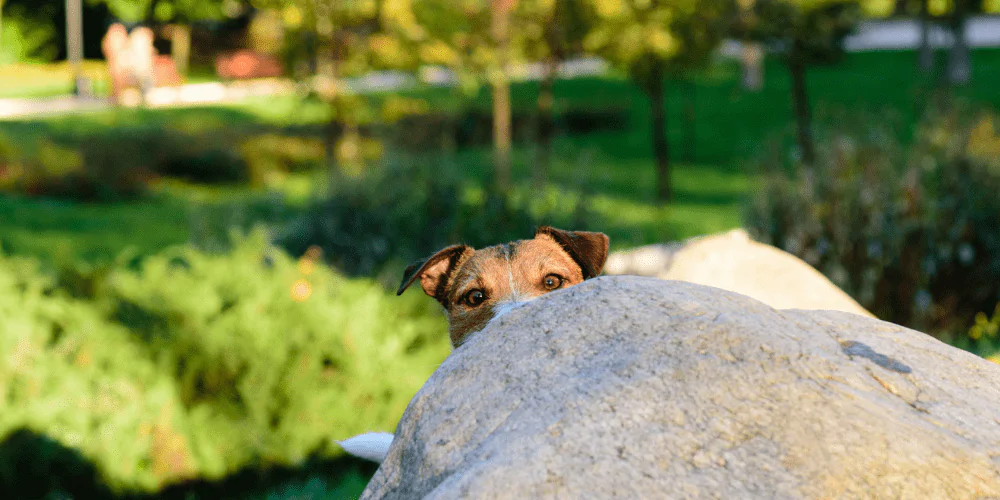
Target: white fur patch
(370,446)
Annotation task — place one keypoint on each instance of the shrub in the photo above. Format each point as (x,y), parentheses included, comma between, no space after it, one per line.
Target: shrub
(272,155)
(79,379)
(911,231)
(393,214)
(107,168)
(195,365)
(96,170)
(983,338)
(274,357)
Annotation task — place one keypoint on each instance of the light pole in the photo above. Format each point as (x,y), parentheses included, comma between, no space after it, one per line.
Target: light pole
(74,40)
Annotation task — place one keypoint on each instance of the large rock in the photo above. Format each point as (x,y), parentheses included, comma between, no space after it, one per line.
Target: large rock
(734,262)
(634,387)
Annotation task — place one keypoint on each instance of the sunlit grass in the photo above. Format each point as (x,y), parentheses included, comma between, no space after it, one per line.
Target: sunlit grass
(64,230)
(46,80)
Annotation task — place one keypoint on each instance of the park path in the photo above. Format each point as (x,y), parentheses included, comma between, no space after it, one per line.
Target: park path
(981,32)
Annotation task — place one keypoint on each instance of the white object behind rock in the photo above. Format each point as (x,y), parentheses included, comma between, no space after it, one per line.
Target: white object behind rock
(734,262)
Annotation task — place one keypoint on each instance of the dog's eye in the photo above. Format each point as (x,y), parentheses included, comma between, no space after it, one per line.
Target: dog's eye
(553,281)
(474,298)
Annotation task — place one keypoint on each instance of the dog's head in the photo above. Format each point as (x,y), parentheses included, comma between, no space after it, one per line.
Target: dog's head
(475,286)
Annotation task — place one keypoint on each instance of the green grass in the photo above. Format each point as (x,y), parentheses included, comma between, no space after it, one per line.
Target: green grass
(34,80)
(614,165)
(24,80)
(60,230)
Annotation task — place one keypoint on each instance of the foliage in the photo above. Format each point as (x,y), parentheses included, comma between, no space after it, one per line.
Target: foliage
(26,34)
(443,33)
(208,363)
(983,338)
(654,40)
(406,209)
(548,28)
(808,31)
(169,10)
(109,167)
(80,379)
(912,235)
(96,172)
(250,339)
(638,36)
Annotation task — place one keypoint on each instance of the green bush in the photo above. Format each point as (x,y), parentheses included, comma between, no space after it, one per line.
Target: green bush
(395,213)
(983,338)
(286,353)
(107,168)
(270,156)
(81,380)
(194,365)
(908,229)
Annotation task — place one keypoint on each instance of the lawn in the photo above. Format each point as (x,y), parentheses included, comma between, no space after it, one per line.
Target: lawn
(614,165)
(24,80)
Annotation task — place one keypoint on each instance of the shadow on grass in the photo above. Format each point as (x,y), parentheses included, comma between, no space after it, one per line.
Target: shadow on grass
(34,466)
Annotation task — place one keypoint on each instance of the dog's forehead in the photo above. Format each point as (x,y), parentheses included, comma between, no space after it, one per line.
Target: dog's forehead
(520,249)
(532,253)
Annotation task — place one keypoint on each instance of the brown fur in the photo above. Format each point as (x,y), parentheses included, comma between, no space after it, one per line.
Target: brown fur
(511,272)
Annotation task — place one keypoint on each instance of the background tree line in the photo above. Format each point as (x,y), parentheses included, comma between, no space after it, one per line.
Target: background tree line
(653,42)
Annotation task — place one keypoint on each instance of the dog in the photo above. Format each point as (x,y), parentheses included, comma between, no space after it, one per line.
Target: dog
(476,287)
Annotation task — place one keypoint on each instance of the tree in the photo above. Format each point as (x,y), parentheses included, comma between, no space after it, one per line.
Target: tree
(752,55)
(500,14)
(959,61)
(806,32)
(925,54)
(1,25)
(549,31)
(651,40)
(472,38)
(345,33)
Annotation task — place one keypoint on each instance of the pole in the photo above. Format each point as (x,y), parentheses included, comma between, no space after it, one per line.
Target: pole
(74,40)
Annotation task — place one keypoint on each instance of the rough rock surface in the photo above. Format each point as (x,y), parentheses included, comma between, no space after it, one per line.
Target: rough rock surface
(631,387)
(732,261)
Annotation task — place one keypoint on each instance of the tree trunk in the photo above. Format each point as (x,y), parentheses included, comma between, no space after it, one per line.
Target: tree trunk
(1,27)
(501,134)
(925,54)
(661,147)
(751,62)
(180,47)
(546,127)
(959,61)
(326,71)
(500,29)
(690,120)
(752,54)
(800,101)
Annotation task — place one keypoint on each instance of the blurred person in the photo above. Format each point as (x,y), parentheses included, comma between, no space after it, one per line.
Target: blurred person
(115,47)
(142,54)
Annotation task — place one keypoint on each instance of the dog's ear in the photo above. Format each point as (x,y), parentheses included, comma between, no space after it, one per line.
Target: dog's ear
(435,271)
(588,249)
